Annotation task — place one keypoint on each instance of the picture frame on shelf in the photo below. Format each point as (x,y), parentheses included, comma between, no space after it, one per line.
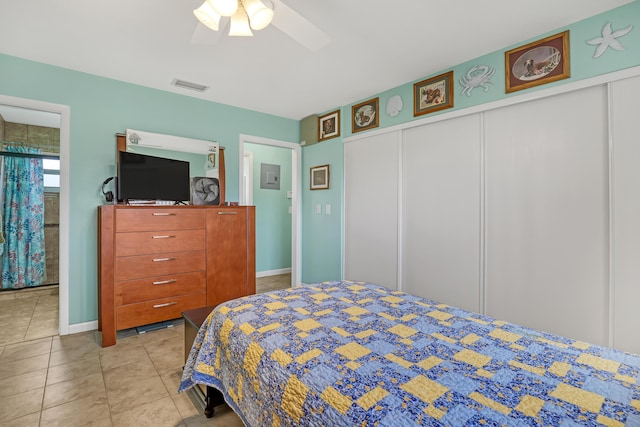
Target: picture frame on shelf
(537,63)
(365,115)
(329,126)
(433,94)
(319,179)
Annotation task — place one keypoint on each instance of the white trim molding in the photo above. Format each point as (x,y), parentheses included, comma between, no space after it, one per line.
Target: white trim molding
(296,199)
(65,129)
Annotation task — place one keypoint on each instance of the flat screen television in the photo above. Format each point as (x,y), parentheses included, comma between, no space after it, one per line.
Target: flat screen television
(144,177)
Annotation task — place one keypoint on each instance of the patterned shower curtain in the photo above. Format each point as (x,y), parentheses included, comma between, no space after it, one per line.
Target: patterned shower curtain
(23,256)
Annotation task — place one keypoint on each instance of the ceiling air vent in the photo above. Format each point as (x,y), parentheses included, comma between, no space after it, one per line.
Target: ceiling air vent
(189,85)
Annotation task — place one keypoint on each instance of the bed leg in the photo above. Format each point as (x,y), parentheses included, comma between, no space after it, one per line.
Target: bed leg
(214,398)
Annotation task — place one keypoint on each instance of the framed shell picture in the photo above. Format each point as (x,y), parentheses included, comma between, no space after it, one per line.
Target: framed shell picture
(365,115)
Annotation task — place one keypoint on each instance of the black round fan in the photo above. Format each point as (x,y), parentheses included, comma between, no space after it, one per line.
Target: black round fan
(205,191)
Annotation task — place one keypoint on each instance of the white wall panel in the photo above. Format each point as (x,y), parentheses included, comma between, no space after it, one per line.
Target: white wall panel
(547,222)
(371,209)
(625,105)
(441,211)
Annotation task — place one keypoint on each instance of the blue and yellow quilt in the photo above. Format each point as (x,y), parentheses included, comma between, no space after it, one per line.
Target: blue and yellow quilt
(355,354)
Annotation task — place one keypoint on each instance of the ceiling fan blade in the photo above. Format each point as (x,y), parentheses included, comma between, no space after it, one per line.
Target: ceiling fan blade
(298,28)
(203,35)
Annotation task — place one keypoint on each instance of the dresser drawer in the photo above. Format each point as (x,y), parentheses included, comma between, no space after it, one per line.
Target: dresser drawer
(133,291)
(158,310)
(141,266)
(157,218)
(154,242)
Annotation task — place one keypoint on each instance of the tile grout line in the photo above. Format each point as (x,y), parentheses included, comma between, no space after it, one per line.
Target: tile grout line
(46,377)
(104,380)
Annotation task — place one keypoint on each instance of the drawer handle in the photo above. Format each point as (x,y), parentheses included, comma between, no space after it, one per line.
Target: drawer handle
(227,213)
(164,282)
(163,259)
(162,237)
(166,304)
(163,214)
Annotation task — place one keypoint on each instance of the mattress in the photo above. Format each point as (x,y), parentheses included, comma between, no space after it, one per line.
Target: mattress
(349,353)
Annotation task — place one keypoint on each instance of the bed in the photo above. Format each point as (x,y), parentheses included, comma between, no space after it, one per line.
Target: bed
(349,353)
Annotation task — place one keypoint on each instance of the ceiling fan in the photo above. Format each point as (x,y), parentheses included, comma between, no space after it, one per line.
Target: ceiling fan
(246,15)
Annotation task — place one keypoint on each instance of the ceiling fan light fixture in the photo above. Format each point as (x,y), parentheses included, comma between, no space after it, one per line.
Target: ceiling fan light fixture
(224,7)
(259,15)
(207,16)
(240,24)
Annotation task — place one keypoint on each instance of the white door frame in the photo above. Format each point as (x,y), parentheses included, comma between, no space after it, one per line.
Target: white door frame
(296,204)
(65,126)
(247,184)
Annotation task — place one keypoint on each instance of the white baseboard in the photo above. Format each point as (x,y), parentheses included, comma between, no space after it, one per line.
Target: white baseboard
(83,327)
(273,272)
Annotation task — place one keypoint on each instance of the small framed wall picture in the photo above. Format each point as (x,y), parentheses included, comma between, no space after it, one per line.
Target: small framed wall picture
(433,94)
(329,126)
(365,115)
(537,63)
(320,177)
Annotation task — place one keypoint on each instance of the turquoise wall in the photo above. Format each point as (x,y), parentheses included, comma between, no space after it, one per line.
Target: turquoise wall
(102,107)
(321,251)
(273,221)
(322,233)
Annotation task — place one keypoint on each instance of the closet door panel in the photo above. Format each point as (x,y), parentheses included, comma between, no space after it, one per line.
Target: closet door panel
(441,211)
(547,241)
(626,196)
(371,210)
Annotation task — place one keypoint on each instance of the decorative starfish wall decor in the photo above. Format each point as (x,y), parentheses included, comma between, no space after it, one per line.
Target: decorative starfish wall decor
(609,39)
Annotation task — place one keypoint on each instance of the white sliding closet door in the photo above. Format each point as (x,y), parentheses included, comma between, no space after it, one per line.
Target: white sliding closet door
(441,211)
(371,209)
(547,215)
(625,105)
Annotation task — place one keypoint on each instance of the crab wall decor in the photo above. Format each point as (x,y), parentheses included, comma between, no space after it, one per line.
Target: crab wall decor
(478,76)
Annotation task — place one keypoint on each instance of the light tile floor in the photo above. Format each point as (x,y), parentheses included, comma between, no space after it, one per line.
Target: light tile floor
(72,381)
(28,314)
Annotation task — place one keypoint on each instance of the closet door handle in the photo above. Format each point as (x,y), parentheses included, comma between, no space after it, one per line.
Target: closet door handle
(163,214)
(227,213)
(162,237)
(166,304)
(163,259)
(165,282)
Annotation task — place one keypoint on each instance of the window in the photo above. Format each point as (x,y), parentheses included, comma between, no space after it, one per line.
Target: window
(51,173)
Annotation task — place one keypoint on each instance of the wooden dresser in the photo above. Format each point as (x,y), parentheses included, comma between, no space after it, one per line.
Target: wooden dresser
(156,262)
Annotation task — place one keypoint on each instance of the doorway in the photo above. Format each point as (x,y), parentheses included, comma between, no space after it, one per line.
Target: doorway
(35,116)
(248,173)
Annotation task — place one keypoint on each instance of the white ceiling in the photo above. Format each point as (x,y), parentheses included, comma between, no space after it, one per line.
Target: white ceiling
(375,45)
